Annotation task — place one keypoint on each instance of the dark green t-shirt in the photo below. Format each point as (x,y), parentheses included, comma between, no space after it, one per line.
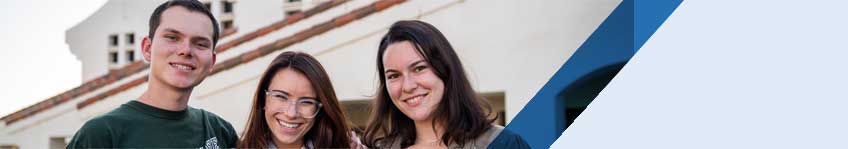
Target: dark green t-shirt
(138,125)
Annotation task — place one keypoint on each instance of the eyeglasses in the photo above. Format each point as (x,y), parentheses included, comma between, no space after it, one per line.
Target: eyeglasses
(308,108)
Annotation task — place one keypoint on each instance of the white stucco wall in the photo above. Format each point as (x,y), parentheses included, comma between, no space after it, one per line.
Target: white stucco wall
(89,40)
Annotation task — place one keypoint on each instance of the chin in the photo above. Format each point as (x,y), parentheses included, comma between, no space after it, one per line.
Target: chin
(417,116)
(286,140)
(183,82)
(182,85)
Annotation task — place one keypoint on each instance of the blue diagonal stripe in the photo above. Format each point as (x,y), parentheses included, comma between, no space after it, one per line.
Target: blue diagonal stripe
(615,41)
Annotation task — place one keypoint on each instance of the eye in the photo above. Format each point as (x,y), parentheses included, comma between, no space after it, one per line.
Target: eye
(308,102)
(205,45)
(392,76)
(171,37)
(419,68)
(279,97)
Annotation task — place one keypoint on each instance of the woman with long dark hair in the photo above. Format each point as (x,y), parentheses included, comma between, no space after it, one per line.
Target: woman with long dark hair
(424,99)
(295,106)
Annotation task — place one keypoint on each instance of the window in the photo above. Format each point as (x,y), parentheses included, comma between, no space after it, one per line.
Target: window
(9,146)
(228,6)
(130,38)
(227,24)
(289,13)
(226,18)
(357,112)
(113,57)
(291,7)
(58,142)
(130,55)
(113,40)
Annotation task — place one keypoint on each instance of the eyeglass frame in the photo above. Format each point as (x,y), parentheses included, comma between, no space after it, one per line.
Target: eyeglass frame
(318,110)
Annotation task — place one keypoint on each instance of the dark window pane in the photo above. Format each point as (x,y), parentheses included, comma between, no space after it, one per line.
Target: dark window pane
(130,56)
(289,13)
(227,24)
(228,7)
(113,40)
(113,57)
(131,38)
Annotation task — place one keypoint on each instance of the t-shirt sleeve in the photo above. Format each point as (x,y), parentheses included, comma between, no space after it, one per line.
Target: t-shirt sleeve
(95,133)
(232,136)
(508,139)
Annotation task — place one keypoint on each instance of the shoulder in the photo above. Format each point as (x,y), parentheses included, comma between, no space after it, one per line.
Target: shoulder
(507,139)
(220,125)
(101,125)
(484,139)
(355,141)
(388,143)
(100,131)
(110,120)
(494,131)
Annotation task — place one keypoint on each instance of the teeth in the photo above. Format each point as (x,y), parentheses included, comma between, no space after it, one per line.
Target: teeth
(415,99)
(287,125)
(183,67)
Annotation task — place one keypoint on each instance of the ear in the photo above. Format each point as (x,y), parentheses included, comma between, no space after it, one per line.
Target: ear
(145,48)
(214,58)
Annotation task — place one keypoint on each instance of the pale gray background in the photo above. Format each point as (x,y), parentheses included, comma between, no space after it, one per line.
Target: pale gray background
(729,74)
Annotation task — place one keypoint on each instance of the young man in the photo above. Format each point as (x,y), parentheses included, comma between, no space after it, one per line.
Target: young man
(180,49)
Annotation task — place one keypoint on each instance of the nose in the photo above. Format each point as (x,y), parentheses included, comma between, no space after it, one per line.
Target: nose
(290,110)
(184,49)
(409,84)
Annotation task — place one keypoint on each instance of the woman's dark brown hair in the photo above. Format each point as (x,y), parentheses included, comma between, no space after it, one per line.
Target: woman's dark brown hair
(331,128)
(461,110)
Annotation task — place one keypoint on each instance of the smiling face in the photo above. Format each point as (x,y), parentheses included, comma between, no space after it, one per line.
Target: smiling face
(287,125)
(411,82)
(181,52)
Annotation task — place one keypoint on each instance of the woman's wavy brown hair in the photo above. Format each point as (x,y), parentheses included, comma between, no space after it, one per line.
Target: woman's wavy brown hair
(332,128)
(463,113)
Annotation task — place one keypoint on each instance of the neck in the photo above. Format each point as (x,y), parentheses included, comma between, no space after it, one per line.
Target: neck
(424,132)
(295,144)
(165,98)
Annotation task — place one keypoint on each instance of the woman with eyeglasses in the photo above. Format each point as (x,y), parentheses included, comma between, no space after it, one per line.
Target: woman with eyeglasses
(295,106)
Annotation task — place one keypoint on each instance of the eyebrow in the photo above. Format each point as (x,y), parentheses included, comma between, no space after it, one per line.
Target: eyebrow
(287,94)
(313,98)
(416,63)
(195,38)
(410,66)
(391,70)
(281,91)
(172,30)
